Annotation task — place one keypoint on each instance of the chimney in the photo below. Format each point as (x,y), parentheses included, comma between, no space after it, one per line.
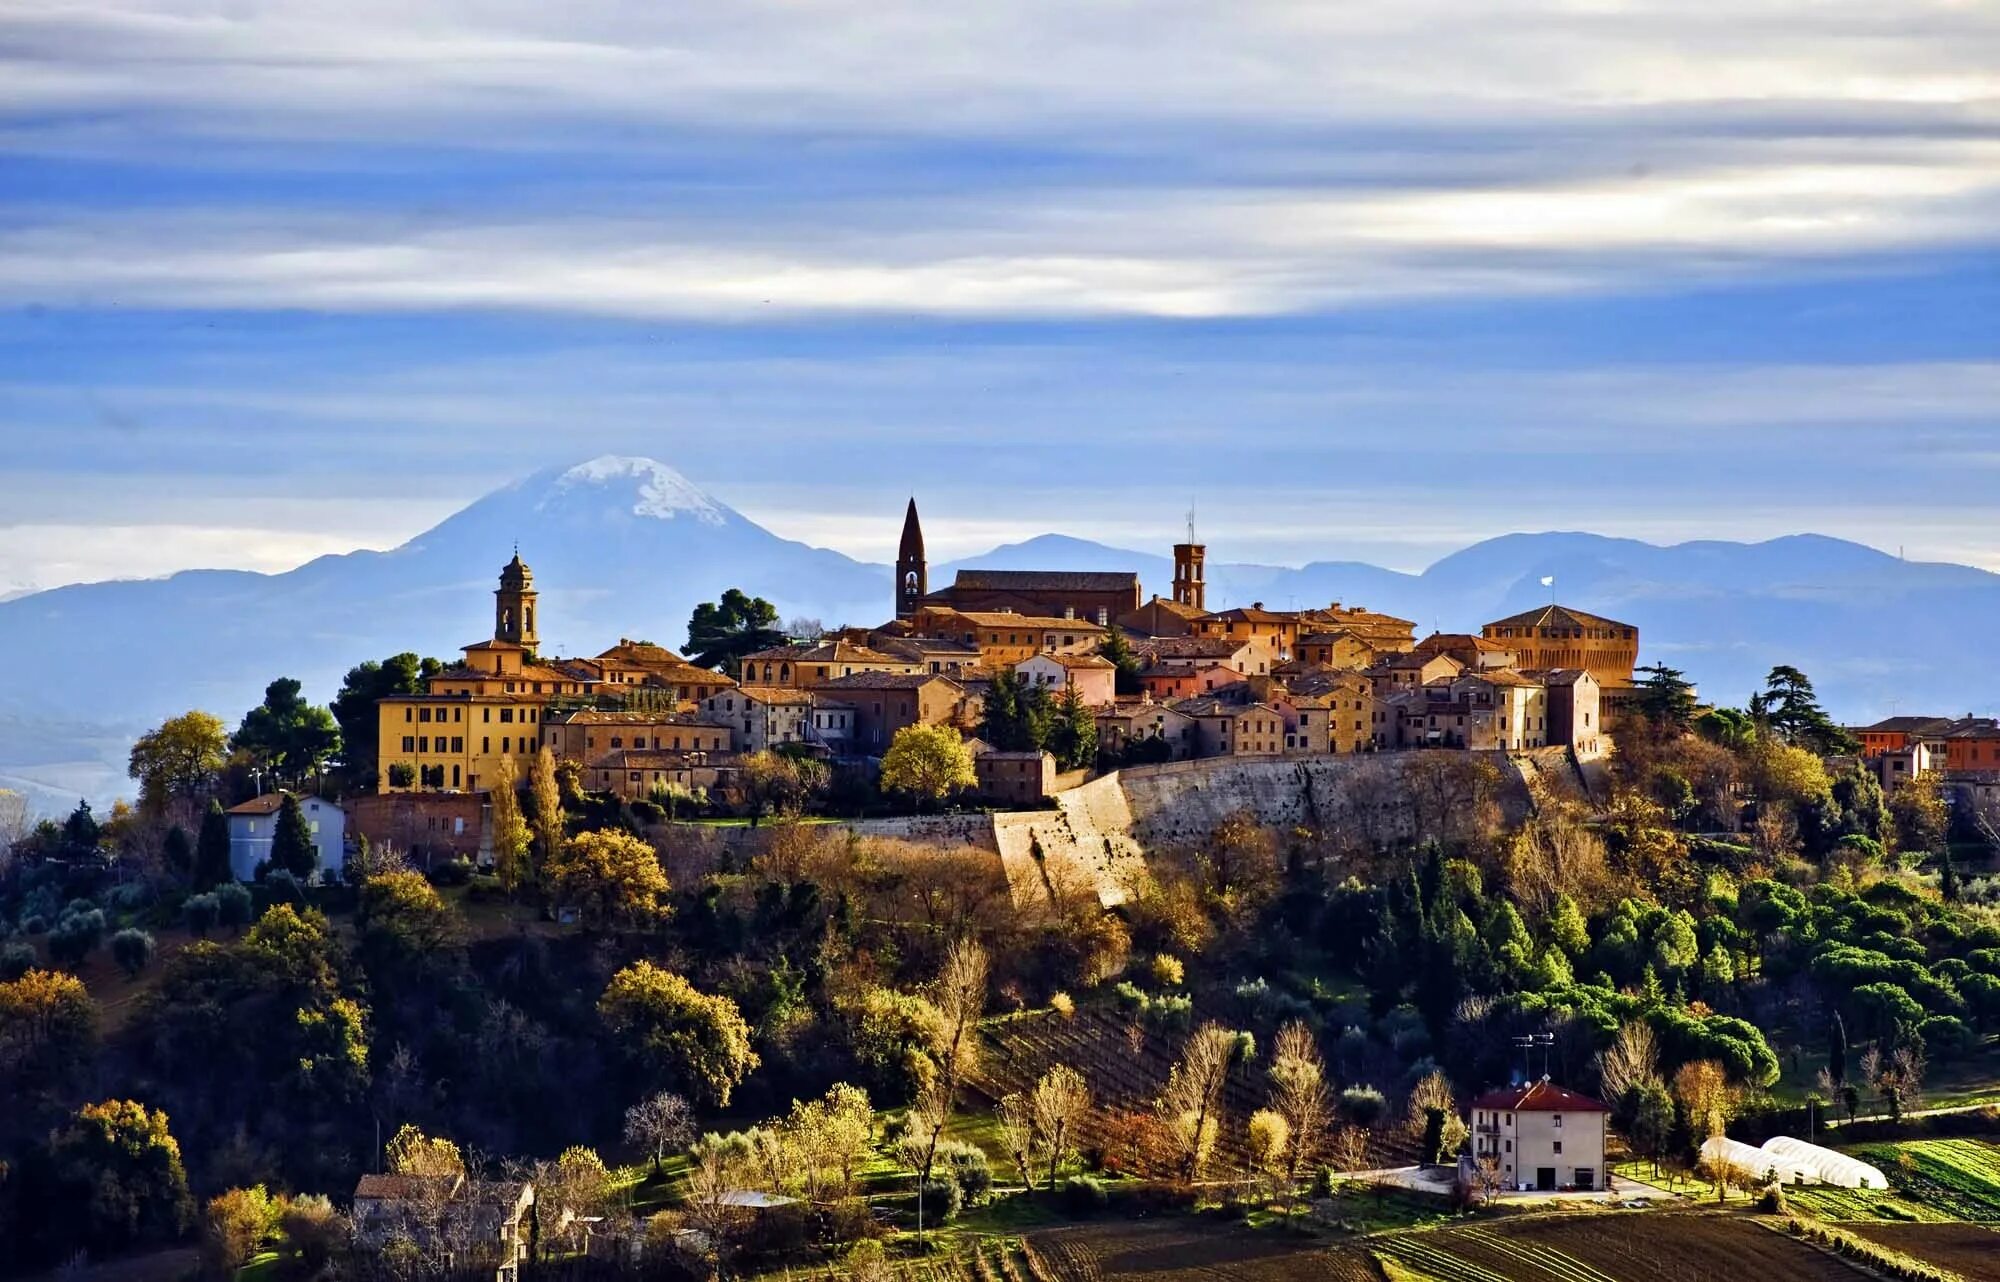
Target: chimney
(1256,605)
(1069,612)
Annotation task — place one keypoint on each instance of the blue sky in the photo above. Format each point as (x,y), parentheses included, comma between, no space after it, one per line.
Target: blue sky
(1375,280)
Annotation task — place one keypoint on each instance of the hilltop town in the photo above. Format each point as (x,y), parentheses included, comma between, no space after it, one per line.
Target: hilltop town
(942,943)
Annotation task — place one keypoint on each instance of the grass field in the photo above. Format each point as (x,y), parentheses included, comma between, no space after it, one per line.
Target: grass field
(1950,1179)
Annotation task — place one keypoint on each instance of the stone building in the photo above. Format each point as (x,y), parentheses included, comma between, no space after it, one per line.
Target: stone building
(1541,1136)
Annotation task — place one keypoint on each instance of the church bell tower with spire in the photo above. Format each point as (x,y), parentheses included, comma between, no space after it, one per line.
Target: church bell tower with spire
(912,574)
(514,605)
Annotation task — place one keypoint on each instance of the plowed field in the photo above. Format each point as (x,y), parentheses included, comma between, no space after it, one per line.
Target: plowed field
(1969,1249)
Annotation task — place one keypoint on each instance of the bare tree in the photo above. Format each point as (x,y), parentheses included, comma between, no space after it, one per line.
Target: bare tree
(1060,1103)
(1632,1059)
(1015,1116)
(659,1124)
(1191,1104)
(960,1002)
(1348,1151)
(1299,1094)
(1487,1177)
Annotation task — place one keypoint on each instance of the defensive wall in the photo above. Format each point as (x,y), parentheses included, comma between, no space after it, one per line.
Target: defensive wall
(1098,832)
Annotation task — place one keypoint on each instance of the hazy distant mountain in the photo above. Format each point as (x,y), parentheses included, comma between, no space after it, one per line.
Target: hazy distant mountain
(627,547)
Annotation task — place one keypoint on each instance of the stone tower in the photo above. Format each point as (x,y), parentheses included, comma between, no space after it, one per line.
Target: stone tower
(1190,587)
(514,605)
(912,575)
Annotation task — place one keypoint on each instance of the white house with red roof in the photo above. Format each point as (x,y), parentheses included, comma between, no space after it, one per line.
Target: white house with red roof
(1543,1137)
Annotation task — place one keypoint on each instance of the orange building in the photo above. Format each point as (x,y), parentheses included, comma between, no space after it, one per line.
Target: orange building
(1555,636)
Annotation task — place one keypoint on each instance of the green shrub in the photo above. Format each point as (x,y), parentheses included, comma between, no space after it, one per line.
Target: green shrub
(76,936)
(132,950)
(1084,1195)
(942,1199)
(1363,1105)
(232,903)
(452,872)
(968,1168)
(201,912)
(485,889)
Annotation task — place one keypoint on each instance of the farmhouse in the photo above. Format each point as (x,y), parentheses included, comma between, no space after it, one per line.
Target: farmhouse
(1543,1137)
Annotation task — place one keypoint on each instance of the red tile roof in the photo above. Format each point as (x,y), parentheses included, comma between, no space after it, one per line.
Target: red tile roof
(1538,1097)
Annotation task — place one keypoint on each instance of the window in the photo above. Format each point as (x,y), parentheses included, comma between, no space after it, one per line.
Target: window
(1558,1121)
(409,743)
(1558,1147)
(506,716)
(409,714)
(423,743)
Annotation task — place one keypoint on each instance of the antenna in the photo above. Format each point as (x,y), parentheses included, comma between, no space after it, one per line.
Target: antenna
(1190,520)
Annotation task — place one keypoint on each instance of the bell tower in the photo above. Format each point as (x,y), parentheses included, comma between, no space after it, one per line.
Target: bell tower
(912,575)
(514,605)
(1190,585)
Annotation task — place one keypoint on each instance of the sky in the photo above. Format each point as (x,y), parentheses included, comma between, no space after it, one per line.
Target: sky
(1368,280)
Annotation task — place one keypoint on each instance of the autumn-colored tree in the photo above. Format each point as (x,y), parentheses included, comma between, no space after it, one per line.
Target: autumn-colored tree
(1431,1108)
(119,1170)
(771,783)
(48,1025)
(235,1227)
(179,760)
(611,878)
(1014,1119)
(1191,1103)
(928,762)
(830,1136)
(404,924)
(676,1034)
(1705,1095)
(411,1152)
(1269,1137)
(510,831)
(550,824)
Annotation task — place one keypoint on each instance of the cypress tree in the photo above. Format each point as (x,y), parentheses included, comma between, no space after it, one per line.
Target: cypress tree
(1947,876)
(211,849)
(1836,1051)
(178,851)
(292,846)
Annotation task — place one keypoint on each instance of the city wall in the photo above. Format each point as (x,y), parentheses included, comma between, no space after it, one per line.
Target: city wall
(1098,834)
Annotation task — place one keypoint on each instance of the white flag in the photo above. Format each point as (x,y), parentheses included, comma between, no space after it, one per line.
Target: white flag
(1548,580)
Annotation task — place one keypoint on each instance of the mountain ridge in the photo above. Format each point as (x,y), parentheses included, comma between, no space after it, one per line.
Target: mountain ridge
(626,546)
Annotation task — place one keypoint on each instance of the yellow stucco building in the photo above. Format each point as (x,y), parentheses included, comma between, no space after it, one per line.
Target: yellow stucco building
(481,711)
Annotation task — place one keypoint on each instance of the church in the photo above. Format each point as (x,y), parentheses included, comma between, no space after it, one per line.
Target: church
(1096,596)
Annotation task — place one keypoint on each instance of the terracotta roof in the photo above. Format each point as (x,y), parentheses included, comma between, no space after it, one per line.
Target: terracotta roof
(640,653)
(1073,660)
(1556,616)
(1907,725)
(1563,676)
(650,758)
(600,717)
(836,651)
(1538,1097)
(1005,619)
(1047,580)
(884,681)
(771,694)
(1253,614)
(267,804)
(1192,647)
(494,644)
(1501,677)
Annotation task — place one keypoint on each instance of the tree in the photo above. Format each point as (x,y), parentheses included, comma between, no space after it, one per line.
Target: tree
(1632,1061)
(1014,1122)
(1652,1112)
(232,904)
(120,1169)
(1706,1098)
(721,633)
(411,1152)
(1119,651)
(1072,732)
(674,1033)
(611,878)
(658,1124)
(830,1136)
(178,761)
(292,847)
(404,924)
(1790,707)
(1836,1049)
(1665,698)
(235,1228)
(1059,1106)
(510,830)
(545,791)
(1191,1103)
(1431,1118)
(80,832)
(1920,814)
(1015,716)
(132,949)
(1567,929)
(928,762)
(1300,1095)
(1269,1136)
(356,713)
(774,783)
(960,1001)
(287,735)
(211,850)
(48,1027)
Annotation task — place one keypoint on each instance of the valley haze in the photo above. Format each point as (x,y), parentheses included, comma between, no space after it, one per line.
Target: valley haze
(626,547)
